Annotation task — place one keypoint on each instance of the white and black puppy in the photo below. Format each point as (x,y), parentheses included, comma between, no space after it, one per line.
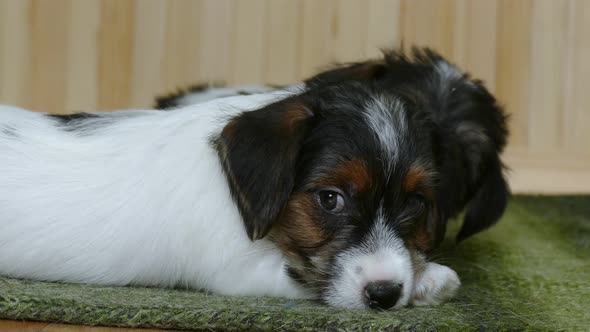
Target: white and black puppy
(337,191)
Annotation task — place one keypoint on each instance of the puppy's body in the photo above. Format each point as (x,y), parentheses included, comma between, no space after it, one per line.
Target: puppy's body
(339,190)
(132,197)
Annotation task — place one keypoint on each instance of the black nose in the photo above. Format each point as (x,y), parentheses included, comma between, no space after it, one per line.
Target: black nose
(382,294)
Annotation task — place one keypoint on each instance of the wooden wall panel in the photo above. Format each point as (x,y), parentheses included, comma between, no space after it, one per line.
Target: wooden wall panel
(283,41)
(475,21)
(82,55)
(216,39)
(248,54)
(180,54)
(70,55)
(513,50)
(317,40)
(115,55)
(15,52)
(149,35)
(49,26)
(431,23)
(548,59)
(383,30)
(577,109)
(350,30)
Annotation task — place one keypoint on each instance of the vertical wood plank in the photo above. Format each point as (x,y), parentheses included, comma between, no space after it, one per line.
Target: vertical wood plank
(248,54)
(48,77)
(181,65)
(513,65)
(350,30)
(548,41)
(148,46)
(384,25)
(577,110)
(216,39)
(15,57)
(317,36)
(283,41)
(428,23)
(115,56)
(80,55)
(475,39)
(82,63)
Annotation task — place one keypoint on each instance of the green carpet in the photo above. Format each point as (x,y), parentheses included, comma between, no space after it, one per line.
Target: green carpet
(530,272)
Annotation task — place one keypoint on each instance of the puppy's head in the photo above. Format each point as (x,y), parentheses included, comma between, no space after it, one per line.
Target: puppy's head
(354,179)
(471,128)
(343,179)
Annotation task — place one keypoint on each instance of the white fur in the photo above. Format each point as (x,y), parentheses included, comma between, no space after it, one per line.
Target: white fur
(138,197)
(386,118)
(212,93)
(447,72)
(141,200)
(435,284)
(382,256)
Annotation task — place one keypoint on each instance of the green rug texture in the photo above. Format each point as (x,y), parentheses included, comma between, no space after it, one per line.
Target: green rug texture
(529,272)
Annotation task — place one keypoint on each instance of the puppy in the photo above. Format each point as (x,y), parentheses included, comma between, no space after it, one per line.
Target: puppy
(423,72)
(336,191)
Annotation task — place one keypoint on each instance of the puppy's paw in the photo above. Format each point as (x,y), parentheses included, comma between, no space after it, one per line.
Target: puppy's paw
(435,285)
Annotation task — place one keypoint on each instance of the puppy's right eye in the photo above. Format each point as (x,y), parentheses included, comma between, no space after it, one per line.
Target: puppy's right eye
(331,201)
(417,203)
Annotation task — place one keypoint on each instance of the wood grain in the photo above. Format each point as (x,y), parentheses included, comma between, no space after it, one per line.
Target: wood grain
(63,56)
(513,65)
(283,41)
(115,54)
(548,41)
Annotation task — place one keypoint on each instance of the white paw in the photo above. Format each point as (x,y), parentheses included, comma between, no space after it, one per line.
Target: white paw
(434,285)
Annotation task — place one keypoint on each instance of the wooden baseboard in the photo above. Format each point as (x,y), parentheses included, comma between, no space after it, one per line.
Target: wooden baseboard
(548,173)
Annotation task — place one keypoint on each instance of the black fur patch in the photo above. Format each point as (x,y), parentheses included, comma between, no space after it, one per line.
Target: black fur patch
(67,119)
(81,123)
(296,276)
(9,131)
(171,100)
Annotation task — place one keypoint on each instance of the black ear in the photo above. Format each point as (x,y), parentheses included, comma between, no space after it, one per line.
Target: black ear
(489,202)
(361,71)
(258,151)
(436,225)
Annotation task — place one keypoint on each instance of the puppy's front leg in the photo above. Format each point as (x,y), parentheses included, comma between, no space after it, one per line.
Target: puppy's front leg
(434,284)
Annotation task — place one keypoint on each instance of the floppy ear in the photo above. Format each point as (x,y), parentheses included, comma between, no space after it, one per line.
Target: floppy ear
(430,230)
(472,132)
(436,224)
(361,71)
(258,151)
(488,203)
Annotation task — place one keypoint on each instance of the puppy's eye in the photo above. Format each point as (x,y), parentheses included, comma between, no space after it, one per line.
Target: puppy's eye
(331,200)
(418,201)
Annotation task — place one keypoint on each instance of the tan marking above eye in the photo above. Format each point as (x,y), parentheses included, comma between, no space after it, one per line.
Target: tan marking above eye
(357,173)
(350,173)
(417,178)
